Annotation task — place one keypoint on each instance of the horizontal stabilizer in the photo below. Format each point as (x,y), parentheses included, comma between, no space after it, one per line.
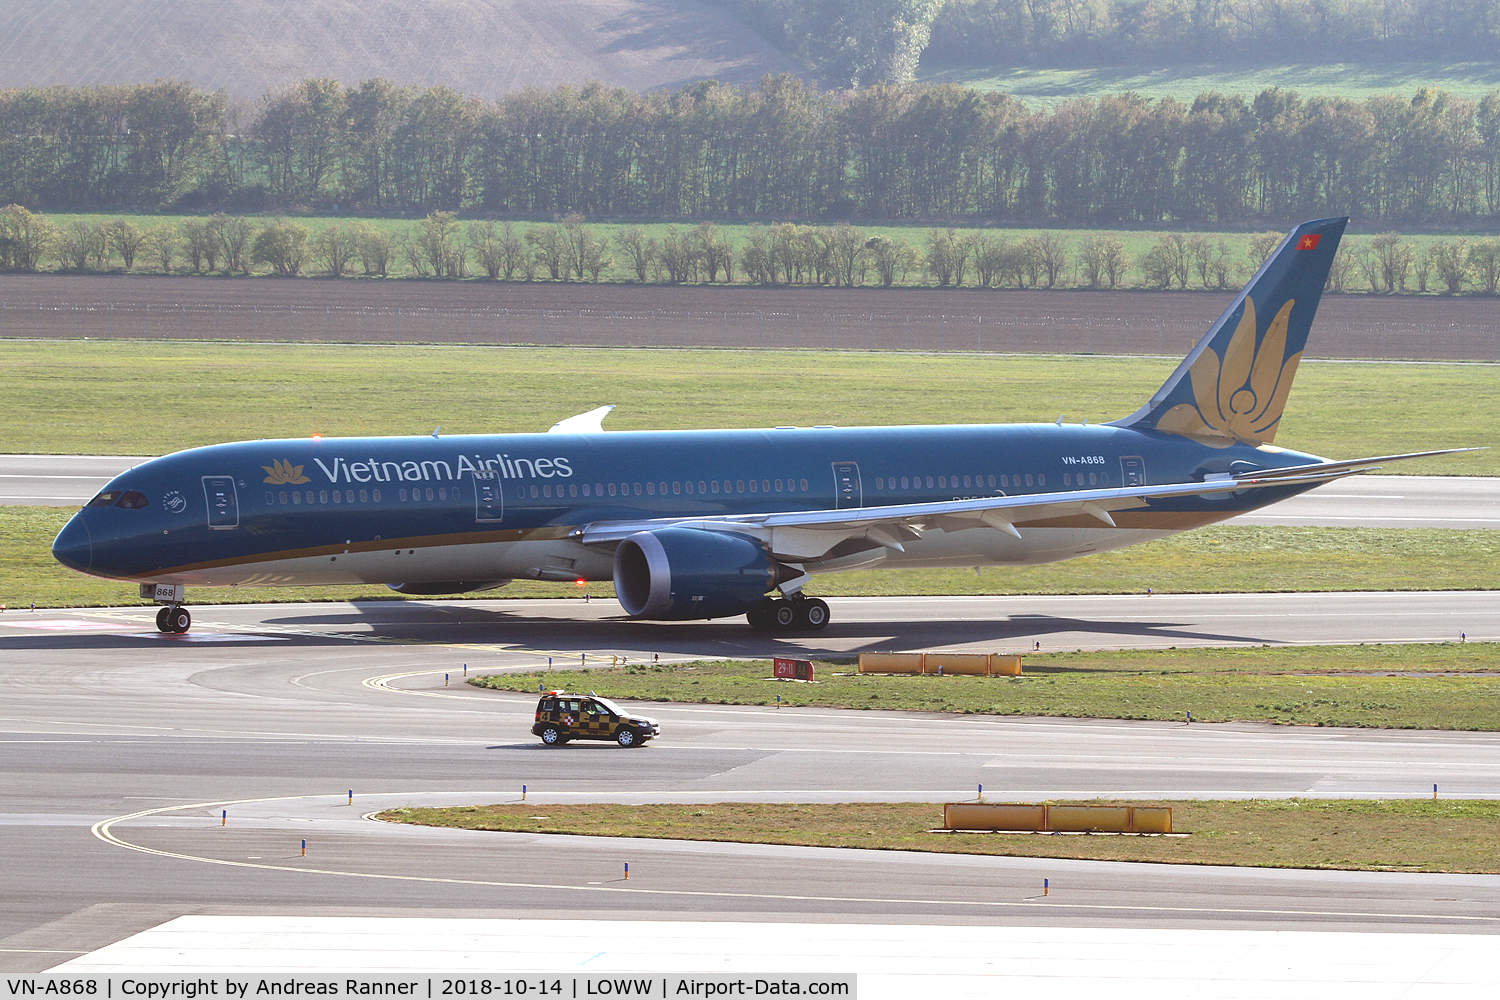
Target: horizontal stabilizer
(1349,466)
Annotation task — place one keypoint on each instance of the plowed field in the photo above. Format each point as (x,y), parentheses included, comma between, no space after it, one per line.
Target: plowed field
(1121,322)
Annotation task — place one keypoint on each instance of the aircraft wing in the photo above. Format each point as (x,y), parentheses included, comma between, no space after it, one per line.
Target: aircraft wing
(809,535)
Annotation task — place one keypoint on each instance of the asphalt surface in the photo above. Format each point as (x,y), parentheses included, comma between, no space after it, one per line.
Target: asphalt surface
(1361,501)
(146,776)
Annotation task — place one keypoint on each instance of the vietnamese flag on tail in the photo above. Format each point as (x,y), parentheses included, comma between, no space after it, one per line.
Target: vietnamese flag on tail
(1309,242)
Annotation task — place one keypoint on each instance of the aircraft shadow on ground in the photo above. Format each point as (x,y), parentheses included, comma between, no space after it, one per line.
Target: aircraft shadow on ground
(446,624)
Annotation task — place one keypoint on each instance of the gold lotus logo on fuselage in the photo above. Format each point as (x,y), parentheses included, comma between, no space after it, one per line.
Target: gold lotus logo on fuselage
(1238,397)
(284,473)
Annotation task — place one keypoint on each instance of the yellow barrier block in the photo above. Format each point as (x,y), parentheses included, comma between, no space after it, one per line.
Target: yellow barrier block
(1150,819)
(956,663)
(1005,664)
(1078,819)
(993,816)
(890,663)
(972,664)
(1020,816)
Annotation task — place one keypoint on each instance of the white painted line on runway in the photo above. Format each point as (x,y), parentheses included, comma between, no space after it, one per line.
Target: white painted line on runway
(103,830)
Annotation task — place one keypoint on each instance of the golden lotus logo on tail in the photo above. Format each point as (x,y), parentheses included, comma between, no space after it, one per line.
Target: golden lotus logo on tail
(1240,396)
(284,473)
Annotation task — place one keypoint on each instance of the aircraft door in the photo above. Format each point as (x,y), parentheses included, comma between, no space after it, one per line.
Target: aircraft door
(223,503)
(847,491)
(489,498)
(1132,470)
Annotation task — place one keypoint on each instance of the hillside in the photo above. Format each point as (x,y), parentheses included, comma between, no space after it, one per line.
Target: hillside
(484,48)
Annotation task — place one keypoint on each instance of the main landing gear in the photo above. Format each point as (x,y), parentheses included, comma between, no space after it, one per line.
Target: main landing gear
(789,614)
(173,620)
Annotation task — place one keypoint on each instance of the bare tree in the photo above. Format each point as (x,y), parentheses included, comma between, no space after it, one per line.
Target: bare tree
(714,251)
(1396,260)
(25,237)
(374,247)
(234,236)
(1050,255)
(1451,259)
(76,244)
(162,242)
(551,248)
(200,245)
(334,248)
(1484,260)
(126,238)
(1167,261)
(1342,270)
(1260,247)
(282,245)
(639,249)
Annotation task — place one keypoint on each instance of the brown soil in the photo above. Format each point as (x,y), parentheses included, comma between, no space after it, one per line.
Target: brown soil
(925,319)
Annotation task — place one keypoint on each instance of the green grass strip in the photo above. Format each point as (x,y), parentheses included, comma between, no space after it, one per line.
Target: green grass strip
(1384,835)
(149,398)
(1209,560)
(1418,686)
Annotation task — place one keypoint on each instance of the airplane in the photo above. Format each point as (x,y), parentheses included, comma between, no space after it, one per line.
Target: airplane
(702,524)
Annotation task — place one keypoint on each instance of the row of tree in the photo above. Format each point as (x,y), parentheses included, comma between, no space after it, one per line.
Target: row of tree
(777,150)
(787,254)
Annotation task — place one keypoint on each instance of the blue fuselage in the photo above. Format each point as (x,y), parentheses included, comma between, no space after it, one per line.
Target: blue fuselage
(496,507)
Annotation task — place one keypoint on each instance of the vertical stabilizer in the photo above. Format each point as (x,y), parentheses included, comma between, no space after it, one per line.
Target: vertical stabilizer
(1233,385)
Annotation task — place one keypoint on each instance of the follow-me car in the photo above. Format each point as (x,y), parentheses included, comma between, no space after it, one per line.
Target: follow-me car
(711,523)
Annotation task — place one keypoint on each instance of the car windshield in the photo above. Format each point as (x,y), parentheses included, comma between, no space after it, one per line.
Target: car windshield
(609,706)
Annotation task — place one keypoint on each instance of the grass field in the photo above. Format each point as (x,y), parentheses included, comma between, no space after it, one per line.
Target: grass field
(1434,686)
(1136,241)
(112,397)
(1402,835)
(1041,87)
(1210,560)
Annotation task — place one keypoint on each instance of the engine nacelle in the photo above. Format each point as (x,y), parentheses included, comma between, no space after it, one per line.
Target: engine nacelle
(679,574)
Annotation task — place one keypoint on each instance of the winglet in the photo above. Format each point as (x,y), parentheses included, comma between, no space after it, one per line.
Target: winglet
(591,422)
(1233,385)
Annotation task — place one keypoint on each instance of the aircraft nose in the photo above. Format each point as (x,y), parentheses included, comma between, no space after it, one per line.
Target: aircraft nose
(73,546)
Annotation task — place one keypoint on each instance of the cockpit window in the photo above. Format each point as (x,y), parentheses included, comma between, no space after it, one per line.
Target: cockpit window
(133,501)
(105,499)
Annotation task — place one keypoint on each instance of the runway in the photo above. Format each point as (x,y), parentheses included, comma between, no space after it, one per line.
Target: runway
(146,777)
(1357,502)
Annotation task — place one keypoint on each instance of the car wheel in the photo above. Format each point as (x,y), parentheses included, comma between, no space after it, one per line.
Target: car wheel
(813,614)
(627,738)
(553,737)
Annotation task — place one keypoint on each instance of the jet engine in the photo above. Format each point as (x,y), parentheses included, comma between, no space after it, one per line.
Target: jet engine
(678,574)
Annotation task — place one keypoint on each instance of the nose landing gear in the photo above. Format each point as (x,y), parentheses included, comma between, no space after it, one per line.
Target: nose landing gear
(173,620)
(788,614)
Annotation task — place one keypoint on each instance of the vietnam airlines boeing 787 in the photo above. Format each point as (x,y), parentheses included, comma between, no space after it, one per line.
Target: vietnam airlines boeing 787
(713,523)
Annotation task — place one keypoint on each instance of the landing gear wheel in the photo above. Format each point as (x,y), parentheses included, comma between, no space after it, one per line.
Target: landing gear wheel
(812,614)
(783,615)
(759,616)
(553,737)
(162,624)
(627,738)
(178,620)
